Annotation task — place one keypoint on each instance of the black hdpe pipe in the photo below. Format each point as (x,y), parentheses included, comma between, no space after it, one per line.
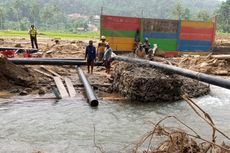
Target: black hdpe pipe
(180,71)
(79,59)
(41,61)
(92,99)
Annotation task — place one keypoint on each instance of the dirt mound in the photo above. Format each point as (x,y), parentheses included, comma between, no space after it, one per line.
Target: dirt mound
(206,65)
(222,45)
(11,75)
(153,85)
(76,50)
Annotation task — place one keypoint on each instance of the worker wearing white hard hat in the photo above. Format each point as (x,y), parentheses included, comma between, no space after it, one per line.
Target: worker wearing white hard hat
(101,48)
(146,45)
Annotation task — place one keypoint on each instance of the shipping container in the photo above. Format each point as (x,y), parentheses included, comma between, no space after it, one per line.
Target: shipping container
(160,25)
(164,44)
(118,33)
(121,23)
(120,40)
(196,24)
(166,35)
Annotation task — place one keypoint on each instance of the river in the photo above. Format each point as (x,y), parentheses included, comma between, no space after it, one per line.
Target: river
(29,124)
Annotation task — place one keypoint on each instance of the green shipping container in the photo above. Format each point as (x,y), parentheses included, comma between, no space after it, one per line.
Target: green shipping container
(164,44)
(118,33)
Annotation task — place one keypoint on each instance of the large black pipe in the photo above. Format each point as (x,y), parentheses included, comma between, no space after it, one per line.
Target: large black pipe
(214,80)
(92,99)
(41,61)
(79,59)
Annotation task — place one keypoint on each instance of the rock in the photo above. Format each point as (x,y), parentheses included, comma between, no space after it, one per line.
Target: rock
(42,91)
(18,45)
(28,90)
(23,93)
(145,84)
(73,42)
(15,90)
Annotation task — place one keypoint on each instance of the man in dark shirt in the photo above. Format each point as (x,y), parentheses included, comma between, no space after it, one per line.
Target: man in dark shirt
(90,56)
(146,45)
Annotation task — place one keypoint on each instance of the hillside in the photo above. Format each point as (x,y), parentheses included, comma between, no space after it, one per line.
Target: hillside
(17,14)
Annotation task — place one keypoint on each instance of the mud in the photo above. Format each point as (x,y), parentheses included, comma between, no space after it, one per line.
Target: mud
(12,75)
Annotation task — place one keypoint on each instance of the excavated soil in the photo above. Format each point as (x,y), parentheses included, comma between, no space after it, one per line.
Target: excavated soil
(162,83)
(12,75)
(50,48)
(205,65)
(153,85)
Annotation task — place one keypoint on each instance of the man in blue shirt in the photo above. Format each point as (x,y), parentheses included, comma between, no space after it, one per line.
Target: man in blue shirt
(90,56)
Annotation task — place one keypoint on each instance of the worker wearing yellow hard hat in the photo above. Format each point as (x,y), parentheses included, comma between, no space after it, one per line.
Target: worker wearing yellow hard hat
(101,48)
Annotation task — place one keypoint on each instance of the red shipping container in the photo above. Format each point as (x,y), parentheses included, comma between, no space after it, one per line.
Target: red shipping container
(121,23)
(196,30)
(194,36)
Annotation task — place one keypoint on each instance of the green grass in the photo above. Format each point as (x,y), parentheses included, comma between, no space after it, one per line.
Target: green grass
(82,35)
(223,34)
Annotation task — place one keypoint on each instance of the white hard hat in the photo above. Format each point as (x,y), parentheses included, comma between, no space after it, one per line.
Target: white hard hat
(103,37)
(146,38)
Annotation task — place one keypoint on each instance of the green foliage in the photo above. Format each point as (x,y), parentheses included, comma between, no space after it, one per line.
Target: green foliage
(53,14)
(203,15)
(223,16)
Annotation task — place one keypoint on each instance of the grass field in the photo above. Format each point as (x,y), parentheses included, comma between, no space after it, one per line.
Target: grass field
(82,35)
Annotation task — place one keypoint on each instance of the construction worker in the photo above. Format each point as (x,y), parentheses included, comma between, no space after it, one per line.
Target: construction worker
(140,51)
(107,59)
(33,36)
(101,48)
(146,45)
(90,56)
(136,41)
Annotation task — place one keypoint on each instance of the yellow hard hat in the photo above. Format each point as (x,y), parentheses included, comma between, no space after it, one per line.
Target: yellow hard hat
(103,37)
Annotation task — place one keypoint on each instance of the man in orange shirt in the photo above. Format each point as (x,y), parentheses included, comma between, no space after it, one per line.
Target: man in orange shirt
(101,48)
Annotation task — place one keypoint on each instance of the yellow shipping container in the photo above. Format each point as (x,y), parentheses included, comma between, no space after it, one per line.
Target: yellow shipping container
(122,47)
(197,24)
(120,40)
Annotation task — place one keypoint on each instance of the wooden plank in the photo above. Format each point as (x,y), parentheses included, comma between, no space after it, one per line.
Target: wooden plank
(70,87)
(61,87)
(46,74)
(221,56)
(51,71)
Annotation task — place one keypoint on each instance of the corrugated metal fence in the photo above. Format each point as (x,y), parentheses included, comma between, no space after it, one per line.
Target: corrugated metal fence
(172,36)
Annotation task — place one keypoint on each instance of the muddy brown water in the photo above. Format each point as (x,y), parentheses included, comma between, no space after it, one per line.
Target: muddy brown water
(28,124)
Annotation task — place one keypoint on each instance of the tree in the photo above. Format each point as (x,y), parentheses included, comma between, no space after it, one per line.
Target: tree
(187,14)
(46,15)
(34,12)
(203,15)
(223,16)
(2,15)
(17,5)
(178,10)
